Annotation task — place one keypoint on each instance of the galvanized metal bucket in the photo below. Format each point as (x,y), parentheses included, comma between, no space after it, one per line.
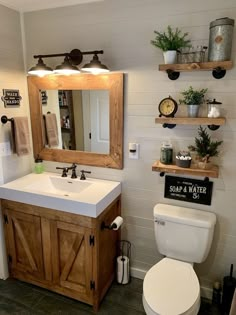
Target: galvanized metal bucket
(220,39)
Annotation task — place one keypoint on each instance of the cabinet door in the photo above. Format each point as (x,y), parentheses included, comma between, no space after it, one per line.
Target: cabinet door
(72,258)
(24,240)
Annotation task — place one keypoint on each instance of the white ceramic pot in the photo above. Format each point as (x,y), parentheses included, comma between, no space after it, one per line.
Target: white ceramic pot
(170,56)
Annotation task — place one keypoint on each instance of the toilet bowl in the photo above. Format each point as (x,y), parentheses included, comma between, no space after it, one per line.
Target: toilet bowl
(171,287)
(184,236)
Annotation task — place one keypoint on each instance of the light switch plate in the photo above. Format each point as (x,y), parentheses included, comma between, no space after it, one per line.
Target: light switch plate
(134,155)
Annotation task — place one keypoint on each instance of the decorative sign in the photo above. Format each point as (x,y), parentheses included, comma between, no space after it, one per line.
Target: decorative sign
(44,97)
(11,98)
(188,189)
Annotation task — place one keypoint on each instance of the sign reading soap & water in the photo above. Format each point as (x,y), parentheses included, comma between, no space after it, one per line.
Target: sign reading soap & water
(188,189)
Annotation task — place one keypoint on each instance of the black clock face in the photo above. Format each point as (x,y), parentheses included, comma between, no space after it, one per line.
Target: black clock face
(168,107)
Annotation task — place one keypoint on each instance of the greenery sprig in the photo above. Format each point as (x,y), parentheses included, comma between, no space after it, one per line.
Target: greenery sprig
(171,40)
(204,146)
(193,97)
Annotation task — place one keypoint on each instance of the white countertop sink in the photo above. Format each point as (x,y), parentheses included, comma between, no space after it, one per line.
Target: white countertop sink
(86,197)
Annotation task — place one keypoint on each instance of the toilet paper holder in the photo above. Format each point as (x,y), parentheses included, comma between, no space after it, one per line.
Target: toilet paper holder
(114,225)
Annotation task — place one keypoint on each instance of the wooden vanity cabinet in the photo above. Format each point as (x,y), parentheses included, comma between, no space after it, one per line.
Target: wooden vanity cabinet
(63,252)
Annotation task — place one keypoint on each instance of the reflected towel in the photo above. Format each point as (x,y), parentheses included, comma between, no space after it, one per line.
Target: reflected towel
(233,305)
(51,130)
(21,137)
(44,131)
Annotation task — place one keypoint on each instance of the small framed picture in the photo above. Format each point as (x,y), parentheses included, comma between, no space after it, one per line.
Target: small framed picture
(44,97)
(11,98)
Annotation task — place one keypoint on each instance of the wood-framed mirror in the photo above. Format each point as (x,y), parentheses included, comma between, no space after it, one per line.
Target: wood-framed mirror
(112,82)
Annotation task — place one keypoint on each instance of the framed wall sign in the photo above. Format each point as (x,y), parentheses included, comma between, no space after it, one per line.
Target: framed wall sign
(11,98)
(188,189)
(44,97)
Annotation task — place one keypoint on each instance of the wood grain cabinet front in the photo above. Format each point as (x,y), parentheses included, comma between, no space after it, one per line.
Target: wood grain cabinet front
(63,252)
(24,243)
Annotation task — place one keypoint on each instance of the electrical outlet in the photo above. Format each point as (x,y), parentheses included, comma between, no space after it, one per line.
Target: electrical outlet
(5,149)
(8,150)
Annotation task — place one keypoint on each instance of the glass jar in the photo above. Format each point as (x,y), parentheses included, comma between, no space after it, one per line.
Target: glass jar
(38,166)
(213,108)
(166,155)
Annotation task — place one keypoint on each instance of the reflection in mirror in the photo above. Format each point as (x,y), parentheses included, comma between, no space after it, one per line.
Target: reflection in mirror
(112,83)
(82,118)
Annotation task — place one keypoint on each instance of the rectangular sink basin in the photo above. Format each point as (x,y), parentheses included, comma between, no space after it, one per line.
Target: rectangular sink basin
(59,186)
(85,197)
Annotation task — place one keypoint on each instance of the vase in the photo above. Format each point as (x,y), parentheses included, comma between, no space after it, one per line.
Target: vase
(193,110)
(205,165)
(170,56)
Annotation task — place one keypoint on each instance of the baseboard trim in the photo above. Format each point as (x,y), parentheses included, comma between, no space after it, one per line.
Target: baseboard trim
(140,274)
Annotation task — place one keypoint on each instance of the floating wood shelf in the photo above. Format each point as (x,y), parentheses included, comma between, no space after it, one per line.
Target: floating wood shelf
(193,170)
(218,68)
(197,66)
(219,121)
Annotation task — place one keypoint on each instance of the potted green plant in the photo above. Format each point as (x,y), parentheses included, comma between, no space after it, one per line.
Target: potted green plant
(193,98)
(170,42)
(205,148)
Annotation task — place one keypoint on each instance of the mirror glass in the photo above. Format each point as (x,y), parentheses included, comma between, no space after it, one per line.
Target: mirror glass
(52,94)
(82,118)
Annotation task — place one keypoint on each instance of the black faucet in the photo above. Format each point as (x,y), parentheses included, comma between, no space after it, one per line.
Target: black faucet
(73,168)
(64,170)
(82,176)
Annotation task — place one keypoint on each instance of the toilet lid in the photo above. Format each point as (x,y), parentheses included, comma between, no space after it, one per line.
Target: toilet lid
(171,287)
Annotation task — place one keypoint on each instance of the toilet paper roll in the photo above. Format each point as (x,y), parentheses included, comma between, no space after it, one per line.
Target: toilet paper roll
(116,224)
(122,269)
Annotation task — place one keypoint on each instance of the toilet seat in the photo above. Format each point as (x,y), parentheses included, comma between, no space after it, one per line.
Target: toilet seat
(171,287)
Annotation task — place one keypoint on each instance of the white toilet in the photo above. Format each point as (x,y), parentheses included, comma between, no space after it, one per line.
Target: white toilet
(184,236)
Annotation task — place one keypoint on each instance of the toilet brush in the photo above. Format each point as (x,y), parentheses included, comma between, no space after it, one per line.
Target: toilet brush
(229,284)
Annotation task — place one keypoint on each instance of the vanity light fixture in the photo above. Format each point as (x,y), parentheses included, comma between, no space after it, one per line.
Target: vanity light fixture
(66,68)
(95,66)
(69,64)
(40,69)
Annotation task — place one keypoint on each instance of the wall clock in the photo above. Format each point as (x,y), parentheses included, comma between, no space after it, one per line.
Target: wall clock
(168,107)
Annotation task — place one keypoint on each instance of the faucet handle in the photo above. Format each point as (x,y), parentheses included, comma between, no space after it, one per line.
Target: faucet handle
(82,176)
(64,170)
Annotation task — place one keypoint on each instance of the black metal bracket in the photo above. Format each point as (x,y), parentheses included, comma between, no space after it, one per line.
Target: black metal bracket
(206,179)
(213,127)
(170,126)
(172,75)
(4,119)
(218,73)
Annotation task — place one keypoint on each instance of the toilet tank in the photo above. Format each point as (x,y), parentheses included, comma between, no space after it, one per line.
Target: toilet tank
(183,233)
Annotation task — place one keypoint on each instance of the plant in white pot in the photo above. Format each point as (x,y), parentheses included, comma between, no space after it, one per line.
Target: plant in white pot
(170,42)
(205,148)
(193,99)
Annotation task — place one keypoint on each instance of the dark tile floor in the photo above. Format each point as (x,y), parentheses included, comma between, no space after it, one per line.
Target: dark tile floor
(19,298)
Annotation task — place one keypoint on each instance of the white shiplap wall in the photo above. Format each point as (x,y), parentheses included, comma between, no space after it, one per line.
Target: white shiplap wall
(12,76)
(124,29)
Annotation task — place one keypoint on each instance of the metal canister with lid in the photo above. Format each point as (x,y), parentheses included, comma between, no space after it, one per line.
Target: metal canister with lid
(220,39)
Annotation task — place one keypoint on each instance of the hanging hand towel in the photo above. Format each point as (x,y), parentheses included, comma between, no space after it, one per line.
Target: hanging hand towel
(233,305)
(51,130)
(21,138)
